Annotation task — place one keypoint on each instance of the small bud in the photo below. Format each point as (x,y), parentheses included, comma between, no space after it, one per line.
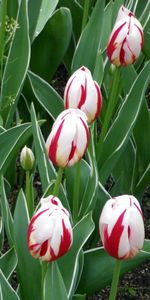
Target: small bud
(27,159)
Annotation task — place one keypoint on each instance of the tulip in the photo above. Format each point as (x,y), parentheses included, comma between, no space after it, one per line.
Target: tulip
(126,39)
(68,139)
(84,93)
(121,227)
(49,231)
(27,158)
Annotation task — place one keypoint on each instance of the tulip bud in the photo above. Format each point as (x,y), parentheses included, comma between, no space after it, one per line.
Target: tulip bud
(27,158)
(84,93)
(121,227)
(68,139)
(126,39)
(50,231)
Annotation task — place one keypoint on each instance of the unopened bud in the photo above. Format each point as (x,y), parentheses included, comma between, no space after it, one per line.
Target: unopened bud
(27,158)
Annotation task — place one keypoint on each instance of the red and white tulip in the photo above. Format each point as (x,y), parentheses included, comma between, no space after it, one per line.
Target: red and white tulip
(121,227)
(50,231)
(126,39)
(84,93)
(68,139)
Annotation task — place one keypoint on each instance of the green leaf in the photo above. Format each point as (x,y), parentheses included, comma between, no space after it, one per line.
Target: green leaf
(46,169)
(16,66)
(69,264)
(10,143)
(121,129)
(142,183)
(1,232)
(28,269)
(6,291)
(46,95)
(8,262)
(107,24)
(54,287)
(42,12)
(102,266)
(90,39)
(55,39)
(6,214)
(99,69)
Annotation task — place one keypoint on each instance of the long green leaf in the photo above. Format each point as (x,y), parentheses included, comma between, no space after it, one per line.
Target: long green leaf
(6,214)
(8,262)
(121,129)
(10,143)
(6,291)
(28,269)
(16,65)
(90,39)
(68,264)
(54,287)
(39,14)
(45,167)
(46,95)
(102,266)
(55,39)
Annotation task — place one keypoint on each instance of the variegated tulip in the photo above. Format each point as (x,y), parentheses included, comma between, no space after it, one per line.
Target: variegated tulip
(84,93)
(49,231)
(121,227)
(126,39)
(68,139)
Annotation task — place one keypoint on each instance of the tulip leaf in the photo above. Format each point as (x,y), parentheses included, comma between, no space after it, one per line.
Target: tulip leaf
(142,183)
(28,269)
(90,39)
(8,262)
(55,39)
(46,169)
(1,232)
(6,214)
(6,291)
(54,287)
(16,66)
(11,141)
(122,127)
(46,95)
(39,14)
(107,24)
(100,262)
(69,264)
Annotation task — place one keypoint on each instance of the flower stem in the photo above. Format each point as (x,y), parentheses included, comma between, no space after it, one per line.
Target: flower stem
(115,280)
(27,191)
(110,110)
(58,182)
(85,13)
(44,269)
(76,192)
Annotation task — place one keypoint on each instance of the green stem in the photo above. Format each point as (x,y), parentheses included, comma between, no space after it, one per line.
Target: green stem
(114,284)
(76,192)
(44,269)
(110,110)
(85,13)
(58,182)
(2,31)
(27,191)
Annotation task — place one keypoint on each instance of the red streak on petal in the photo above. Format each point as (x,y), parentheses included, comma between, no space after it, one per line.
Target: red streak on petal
(129,232)
(87,133)
(99,100)
(54,201)
(122,54)
(31,226)
(139,210)
(64,244)
(73,150)
(67,94)
(54,144)
(111,243)
(83,94)
(112,44)
(142,37)
(44,248)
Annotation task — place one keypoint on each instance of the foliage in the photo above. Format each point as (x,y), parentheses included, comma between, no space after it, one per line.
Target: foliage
(40,39)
